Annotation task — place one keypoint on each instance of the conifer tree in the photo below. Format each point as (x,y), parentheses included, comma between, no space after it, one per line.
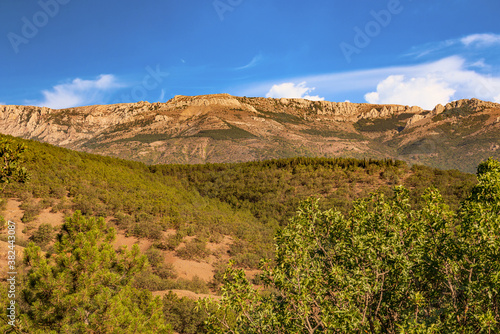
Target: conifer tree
(85,287)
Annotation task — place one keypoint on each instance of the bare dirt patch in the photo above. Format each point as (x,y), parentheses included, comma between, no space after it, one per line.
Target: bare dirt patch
(186,293)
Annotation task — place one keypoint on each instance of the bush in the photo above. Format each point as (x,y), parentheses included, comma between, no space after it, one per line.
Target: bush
(196,285)
(43,235)
(182,314)
(166,271)
(3,203)
(31,210)
(194,250)
(148,229)
(149,281)
(46,203)
(64,205)
(155,257)
(122,220)
(174,240)
(217,280)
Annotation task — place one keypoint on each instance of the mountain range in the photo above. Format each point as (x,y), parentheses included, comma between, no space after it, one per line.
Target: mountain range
(223,128)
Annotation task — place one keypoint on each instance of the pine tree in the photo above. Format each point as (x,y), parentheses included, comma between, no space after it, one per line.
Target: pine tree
(85,287)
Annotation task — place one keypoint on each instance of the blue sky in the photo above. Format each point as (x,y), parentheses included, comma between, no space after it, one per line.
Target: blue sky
(65,53)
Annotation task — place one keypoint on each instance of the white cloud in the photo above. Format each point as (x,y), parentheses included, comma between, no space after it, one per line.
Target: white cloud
(481,40)
(291,90)
(497,99)
(425,92)
(439,82)
(78,92)
(447,74)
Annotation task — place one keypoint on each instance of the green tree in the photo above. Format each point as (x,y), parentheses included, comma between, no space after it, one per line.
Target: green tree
(43,235)
(85,287)
(11,158)
(384,268)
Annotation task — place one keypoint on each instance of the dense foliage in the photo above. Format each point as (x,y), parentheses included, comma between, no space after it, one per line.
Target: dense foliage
(272,190)
(11,158)
(383,268)
(143,204)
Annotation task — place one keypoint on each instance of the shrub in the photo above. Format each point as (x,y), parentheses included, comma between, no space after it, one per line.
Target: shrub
(31,210)
(155,257)
(196,285)
(3,203)
(46,203)
(151,230)
(183,315)
(194,250)
(149,281)
(43,235)
(174,240)
(166,271)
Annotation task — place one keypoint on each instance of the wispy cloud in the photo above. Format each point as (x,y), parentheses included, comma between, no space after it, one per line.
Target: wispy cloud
(162,95)
(430,48)
(481,40)
(78,92)
(254,62)
(456,45)
(291,90)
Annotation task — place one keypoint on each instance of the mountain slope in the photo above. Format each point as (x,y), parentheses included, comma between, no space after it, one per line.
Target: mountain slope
(224,128)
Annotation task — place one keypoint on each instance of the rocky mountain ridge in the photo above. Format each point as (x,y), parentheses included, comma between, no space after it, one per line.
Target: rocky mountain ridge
(225,128)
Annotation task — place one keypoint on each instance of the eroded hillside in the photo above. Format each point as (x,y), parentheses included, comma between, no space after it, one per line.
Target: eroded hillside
(224,128)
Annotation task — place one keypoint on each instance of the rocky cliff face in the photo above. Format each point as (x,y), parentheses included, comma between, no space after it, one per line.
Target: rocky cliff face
(225,128)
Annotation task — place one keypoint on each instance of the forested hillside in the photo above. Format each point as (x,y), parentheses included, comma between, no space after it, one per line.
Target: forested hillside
(273,189)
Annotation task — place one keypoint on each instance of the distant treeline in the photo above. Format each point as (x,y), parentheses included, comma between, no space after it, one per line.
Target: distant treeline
(345,163)
(272,189)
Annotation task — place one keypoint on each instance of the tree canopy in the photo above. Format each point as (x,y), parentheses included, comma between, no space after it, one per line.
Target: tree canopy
(383,268)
